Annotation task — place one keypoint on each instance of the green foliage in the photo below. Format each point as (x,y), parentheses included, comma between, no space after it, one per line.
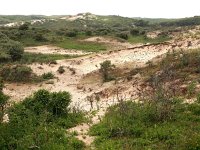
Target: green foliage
(39,37)
(10,49)
(105,69)
(123,35)
(85,46)
(4,57)
(191,89)
(17,73)
(128,125)
(33,125)
(24,26)
(47,76)
(59,103)
(134,32)
(15,50)
(71,34)
(3,101)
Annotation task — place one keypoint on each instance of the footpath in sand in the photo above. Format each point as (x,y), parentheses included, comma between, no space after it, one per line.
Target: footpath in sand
(77,68)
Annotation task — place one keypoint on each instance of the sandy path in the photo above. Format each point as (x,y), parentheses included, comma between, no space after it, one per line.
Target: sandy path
(49,49)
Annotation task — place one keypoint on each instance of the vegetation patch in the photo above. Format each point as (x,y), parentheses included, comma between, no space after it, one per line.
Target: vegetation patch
(18,73)
(40,122)
(47,76)
(149,125)
(78,45)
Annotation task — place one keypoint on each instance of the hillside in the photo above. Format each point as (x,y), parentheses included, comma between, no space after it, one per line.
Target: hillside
(99,82)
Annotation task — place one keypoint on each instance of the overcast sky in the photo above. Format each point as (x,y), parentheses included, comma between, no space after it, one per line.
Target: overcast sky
(129,8)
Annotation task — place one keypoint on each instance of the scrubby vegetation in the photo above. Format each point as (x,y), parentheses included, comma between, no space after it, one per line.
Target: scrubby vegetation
(40,122)
(18,73)
(47,76)
(131,125)
(160,120)
(61,70)
(105,69)
(9,49)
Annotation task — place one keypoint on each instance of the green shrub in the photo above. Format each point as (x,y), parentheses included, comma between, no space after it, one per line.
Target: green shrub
(71,34)
(47,76)
(59,103)
(24,26)
(105,69)
(18,73)
(10,49)
(191,89)
(134,32)
(33,125)
(130,124)
(39,37)
(15,50)
(4,57)
(3,101)
(123,35)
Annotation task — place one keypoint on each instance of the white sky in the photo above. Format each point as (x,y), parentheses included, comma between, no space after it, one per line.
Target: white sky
(129,8)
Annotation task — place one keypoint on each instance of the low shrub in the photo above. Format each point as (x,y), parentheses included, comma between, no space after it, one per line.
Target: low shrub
(61,70)
(35,123)
(47,76)
(105,69)
(17,73)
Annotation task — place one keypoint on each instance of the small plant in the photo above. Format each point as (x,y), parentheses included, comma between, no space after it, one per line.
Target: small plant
(191,89)
(47,76)
(105,69)
(61,70)
(198,98)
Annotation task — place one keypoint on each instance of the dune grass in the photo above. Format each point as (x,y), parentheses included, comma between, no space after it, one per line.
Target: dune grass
(80,45)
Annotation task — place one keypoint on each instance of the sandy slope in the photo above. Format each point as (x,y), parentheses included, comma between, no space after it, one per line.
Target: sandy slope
(137,55)
(49,49)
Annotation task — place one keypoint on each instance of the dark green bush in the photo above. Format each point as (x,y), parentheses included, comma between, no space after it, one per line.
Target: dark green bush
(24,26)
(15,50)
(123,35)
(40,38)
(47,76)
(135,32)
(105,69)
(32,124)
(134,126)
(18,73)
(10,49)
(71,34)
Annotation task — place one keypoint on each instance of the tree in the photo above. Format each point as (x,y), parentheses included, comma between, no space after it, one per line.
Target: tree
(106,66)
